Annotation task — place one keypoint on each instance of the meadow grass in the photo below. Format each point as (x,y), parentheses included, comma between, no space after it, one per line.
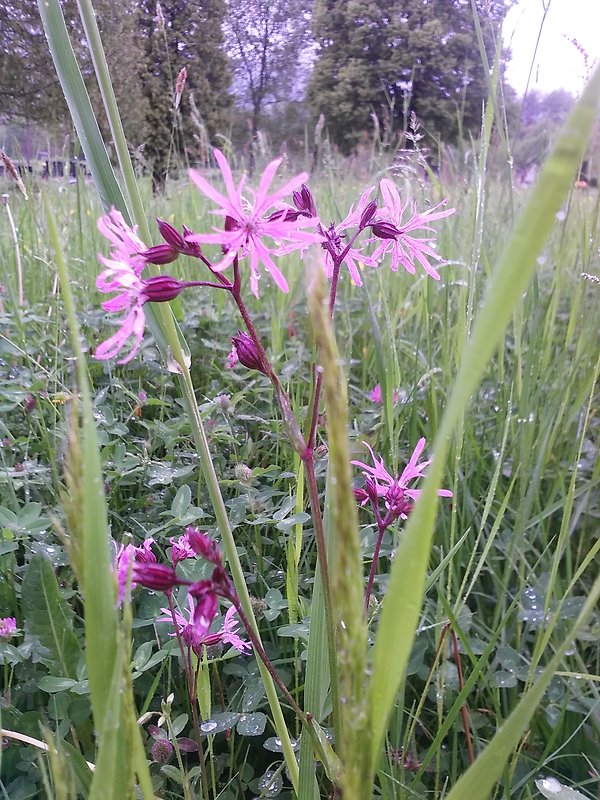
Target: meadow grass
(506,566)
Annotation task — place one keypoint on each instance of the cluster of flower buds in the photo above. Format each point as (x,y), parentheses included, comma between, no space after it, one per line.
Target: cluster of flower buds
(175,245)
(204,595)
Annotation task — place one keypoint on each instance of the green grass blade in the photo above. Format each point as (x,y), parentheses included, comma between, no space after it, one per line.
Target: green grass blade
(80,107)
(99,584)
(316,681)
(402,604)
(113,776)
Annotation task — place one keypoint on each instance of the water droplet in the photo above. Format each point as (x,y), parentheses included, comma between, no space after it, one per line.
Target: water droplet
(270,784)
(208,726)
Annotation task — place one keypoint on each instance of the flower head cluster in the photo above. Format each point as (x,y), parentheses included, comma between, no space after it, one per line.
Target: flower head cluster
(250,217)
(396,493)
(203,603)
(8,627)
(396,235)
(334,238)
(189,632)
(122,276)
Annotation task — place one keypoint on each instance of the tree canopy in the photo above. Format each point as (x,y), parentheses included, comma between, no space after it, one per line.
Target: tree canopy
(374,53)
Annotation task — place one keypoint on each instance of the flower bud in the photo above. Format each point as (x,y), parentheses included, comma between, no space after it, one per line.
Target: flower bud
(160,254)
(385,230)
(304,201)
(203,545)
(170,234)
(161,288)
(367,214)
(158,577)
(247,352)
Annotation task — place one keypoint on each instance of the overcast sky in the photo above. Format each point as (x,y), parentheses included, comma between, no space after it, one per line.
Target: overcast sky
(558,64)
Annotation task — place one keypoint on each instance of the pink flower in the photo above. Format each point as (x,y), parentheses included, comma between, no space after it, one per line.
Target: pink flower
(395,237)
(376,397)
(247,221)
(181,549)
(395,492)
(227,634)
(8,627)
(125,555)
(332,238)
(122,276)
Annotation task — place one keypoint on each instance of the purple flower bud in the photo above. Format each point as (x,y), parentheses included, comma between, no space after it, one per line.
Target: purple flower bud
(385,230)
(368,213)
(158,577)
(246,351)
(187,745)
(285,215)
(203,545)
(160,254)
(161,288)
(170,234)
(161,751)
(304,201)
(29,404)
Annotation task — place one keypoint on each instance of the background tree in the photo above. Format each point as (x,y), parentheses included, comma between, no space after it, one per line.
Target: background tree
(377,52)
(268,42)
(29,88)
(176,34)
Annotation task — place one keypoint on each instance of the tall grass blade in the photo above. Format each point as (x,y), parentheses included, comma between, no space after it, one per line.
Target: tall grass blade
(80,107)
(402,603)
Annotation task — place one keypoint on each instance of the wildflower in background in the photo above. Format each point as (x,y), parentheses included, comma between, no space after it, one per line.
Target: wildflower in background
(395,235)
(186,628)
(376,397)
(181,549)
(332,238)
(125,555)
(247,221)
(394,491)
(161,751)
(8,627)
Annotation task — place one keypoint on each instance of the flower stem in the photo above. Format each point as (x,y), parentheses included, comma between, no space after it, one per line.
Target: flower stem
(305,451)
(191,682)
(381,528)
(231,554)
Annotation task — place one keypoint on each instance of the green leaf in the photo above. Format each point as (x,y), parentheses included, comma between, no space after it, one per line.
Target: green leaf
(52,685)
(181,501)
(402,604)
(113,776)
(48,617)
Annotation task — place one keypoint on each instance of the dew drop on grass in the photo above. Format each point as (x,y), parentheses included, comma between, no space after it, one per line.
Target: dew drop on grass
(270,784)
(208,726)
